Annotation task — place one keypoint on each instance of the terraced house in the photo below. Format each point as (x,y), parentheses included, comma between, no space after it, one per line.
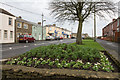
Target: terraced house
(112,30)
(53,30)
(37,31)
(7,27)
(22,27)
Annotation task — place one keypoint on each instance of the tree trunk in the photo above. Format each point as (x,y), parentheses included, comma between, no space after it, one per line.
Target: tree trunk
(79,33)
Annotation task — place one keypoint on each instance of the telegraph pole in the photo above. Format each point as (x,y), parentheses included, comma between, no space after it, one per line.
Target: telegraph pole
(42,26)
(94,25)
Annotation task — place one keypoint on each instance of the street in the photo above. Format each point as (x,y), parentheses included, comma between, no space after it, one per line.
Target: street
(111,47)
(11,50)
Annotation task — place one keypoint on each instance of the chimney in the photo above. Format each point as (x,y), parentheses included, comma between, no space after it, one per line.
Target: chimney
(114,20)
(39,23)
(20,17)
(54,24)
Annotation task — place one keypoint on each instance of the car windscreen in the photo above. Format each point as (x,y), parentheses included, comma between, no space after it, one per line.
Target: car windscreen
(21,36)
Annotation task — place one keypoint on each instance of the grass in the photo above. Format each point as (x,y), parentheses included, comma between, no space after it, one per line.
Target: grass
(91,44)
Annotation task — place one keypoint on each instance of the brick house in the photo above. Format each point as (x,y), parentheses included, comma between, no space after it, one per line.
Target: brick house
(112,30)
(22,27)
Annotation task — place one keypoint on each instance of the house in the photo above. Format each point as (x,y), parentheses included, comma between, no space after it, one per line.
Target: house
(53,30)
(7,27)
(37,31)
(66,33)
(112,30)
(84,35)
(22,27)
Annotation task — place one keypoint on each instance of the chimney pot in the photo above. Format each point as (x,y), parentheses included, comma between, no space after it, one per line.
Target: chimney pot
(114,20)
(54,24)
(20,17)
(39,23)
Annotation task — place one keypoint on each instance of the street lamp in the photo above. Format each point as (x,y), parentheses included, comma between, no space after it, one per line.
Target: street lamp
(42,25)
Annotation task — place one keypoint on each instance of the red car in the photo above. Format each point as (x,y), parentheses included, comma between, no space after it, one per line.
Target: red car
(26,38)
(61,37)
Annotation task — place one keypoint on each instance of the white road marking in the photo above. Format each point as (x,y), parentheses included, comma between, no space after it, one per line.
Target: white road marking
(39,44)
(61,40)
(25,46)
(10,47)
(35,44)
(43,43)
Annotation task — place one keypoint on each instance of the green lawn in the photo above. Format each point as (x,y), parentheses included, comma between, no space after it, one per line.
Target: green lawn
(92,44)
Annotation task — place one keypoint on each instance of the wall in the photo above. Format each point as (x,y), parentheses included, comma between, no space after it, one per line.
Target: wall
(22,30)
(37,32)
(19,72)
(4,20)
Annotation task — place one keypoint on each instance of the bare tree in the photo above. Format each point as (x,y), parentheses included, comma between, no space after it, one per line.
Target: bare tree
(74,10)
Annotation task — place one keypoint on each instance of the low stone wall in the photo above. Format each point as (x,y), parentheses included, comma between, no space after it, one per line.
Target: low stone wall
(15,71)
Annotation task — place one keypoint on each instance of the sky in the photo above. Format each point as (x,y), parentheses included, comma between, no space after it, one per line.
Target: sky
(32,11)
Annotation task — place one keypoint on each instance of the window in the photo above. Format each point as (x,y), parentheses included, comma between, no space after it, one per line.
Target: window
(112,26)
(117,22)
(25,26)
(5,33)
(11,34)
(19,25)
(117,29)
(50,29)
(10,21)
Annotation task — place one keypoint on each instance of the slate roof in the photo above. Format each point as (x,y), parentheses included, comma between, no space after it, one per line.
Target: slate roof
(6,12)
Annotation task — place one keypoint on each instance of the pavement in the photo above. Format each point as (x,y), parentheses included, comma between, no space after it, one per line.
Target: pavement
(12,50)
(112,47)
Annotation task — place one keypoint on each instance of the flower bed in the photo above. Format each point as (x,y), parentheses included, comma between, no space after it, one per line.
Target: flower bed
(69,56)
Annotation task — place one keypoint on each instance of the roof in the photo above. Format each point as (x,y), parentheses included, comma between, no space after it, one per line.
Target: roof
(22,20)
(56,27)
(6,12)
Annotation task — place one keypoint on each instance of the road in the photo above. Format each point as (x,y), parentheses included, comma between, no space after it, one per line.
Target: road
(11,50)
(112,47)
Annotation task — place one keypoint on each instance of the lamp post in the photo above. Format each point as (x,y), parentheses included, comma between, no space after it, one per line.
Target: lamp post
(94,25)
(42,25)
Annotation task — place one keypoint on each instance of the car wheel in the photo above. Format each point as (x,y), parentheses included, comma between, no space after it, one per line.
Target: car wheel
(34,41)
(26,41)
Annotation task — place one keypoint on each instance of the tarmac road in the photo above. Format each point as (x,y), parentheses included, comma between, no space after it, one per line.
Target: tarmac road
(11,50)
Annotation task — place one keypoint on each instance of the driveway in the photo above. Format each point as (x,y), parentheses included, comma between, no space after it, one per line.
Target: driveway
(112,47)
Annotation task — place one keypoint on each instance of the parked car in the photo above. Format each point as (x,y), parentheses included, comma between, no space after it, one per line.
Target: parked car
(61,37)
(72,37)
(57,38)
(50,38)
(26,38)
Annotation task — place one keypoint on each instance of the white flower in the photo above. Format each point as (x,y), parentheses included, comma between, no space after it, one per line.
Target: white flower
(59,64)
(34,58)
(57,59)
(88,62)
(41,58)
(79,61)
(98,63)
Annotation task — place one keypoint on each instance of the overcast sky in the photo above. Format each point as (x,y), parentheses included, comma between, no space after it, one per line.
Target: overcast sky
(42,6)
